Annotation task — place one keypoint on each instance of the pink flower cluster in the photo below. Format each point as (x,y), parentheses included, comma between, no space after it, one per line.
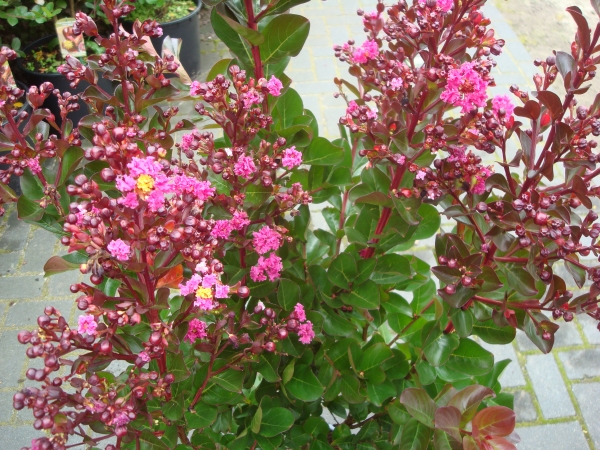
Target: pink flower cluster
(503,102)
(465,88)
(223,228)
(195,88)
(291,158)
(183,184)
(34,165)
(119,249)
(252,98)
(196,330)
(396,84)
(202,287)
(478,180)
(87,324)
(362,55)
(270,266)
(244,166)
(305,331)
(266,240)
(444,5)
(274,86)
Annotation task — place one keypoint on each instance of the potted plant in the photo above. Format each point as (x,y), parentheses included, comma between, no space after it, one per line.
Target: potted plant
(239,324)
(178,19)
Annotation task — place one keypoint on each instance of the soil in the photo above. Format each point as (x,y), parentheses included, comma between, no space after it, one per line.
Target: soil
(545,25)
(47,58)
(172,10)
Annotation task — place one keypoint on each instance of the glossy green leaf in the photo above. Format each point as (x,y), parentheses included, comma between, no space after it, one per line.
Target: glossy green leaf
(520,280)
(254,37)
(288,294)
(415,436)
(365,296)
(351,389)
(28,209)
(343,270)
(470,358)
(284,36)
(275,421)
(419,405)
(493,334)
(304,385)
(148,441)
(238,45)
(201,416)
(391,269)
(257,194)
(283,5)
(438,346)
(430,222)
(69,162)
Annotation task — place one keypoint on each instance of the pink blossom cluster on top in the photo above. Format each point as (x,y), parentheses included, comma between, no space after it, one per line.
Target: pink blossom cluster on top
(362,55)
(291,158)
(443,5)
(119,249)
(465,88)
(223,228)
(503,102)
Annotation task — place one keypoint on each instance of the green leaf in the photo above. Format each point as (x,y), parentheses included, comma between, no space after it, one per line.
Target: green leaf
(254,37)
(231,380)
(268,443)
(520,280)
(220,68)
(430,222)
(150,442)
(350,389)
(31,186)
(173,410)
(419,405)
(288,294)
(467,401)
(70,160)
(284,36)
(321,152)
(268,366)
(304,385)
(238,45)
(275,421)
(177,366)
(256,420)
(202,416)
(283,5)
(438,346)
(391,269)
(493,334)
(257,194)
(470,358)
(57,264)
(343,270)
(380,393)
(288,107)
(28,209)
(373,357)
(365,296)
(415,436)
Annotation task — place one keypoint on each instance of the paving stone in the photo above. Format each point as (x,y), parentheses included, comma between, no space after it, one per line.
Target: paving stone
(9,262)
(38,251)
(25,314)
(15,236)
(512,375)
(567,336)
(58,285)
(549,387)
(587,397)
(21,287)
(13,357)
(15,437)
(589,327)
(581,363)
(6,408)
(556,436)
(524,407)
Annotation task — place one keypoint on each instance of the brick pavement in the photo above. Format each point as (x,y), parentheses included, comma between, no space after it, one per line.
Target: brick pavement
(555,395)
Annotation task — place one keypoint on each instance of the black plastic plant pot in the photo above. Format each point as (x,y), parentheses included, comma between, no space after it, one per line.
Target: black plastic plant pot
(188,30)
(59,82)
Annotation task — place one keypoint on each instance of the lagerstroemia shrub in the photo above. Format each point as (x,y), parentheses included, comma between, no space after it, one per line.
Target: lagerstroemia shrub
(237,323)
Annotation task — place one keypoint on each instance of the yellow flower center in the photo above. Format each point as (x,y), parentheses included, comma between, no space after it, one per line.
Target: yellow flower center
(203,293)
(145,183)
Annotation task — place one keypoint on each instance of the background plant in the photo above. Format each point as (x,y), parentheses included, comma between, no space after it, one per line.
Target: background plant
(238,322)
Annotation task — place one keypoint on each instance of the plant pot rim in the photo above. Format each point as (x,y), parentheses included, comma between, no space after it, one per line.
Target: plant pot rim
(34,44)
(173,22)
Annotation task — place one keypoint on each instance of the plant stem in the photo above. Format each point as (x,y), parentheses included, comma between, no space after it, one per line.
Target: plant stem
(253,24)
(345,201)
(412,322)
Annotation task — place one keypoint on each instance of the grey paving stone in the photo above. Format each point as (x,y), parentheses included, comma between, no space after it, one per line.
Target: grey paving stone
(25,314)
(512,375)
(21,287)
(524,407)
(581,363)
(16,437)
(6,408)
(587,397)
(15,236)
(566,336)
(557,436)
(590,328)
(58,285)
(13,357)
(549,387)
(9,262)
(39,250)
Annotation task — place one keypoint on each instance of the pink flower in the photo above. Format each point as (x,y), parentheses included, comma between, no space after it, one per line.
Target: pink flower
(265,240)
(465,88)
(191,285)
(204,304)
(396,84)
(129,201)
(34,165)
(239,220)
(444,5)
(221,291)
(299,312)
(502,102)
(478,181)
(457,154)
(251,98)
(156,200)
(87,324)
(195,88)
(272,266)
(144,166)
(291,158)
(306,333)
(369,50)
(244,167)
(145,357)
(183,184)
(209,281)
(222,229)
(420,175)
(187,140)
(372,114)
(119,249)
(399,159)
(196,330)
(120,419)
(274,86)
(125,183)
(352,106)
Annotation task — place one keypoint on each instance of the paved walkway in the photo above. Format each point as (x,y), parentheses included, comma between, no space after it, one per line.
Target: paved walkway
(555,395)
